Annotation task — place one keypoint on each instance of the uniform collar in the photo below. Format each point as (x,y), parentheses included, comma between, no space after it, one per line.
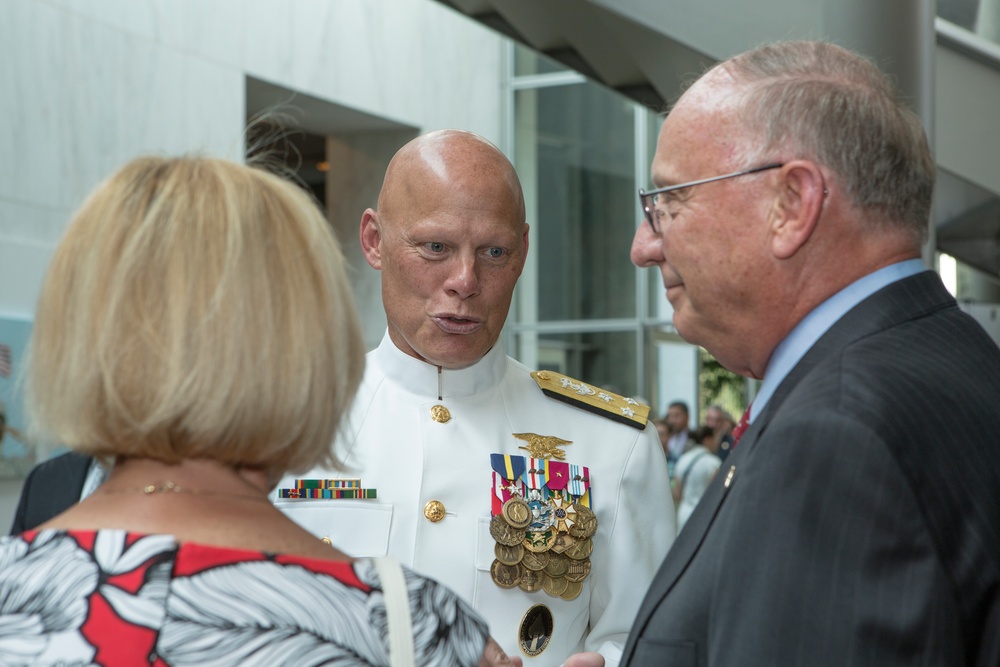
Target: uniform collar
(421,378)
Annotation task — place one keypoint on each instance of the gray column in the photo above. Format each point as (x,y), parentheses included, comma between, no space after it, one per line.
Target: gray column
(900,36)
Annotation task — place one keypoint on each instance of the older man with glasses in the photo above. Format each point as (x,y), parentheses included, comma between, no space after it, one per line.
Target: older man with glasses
(856,522)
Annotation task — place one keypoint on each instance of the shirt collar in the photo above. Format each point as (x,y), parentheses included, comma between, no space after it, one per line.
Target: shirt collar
(420,377)
(818,322)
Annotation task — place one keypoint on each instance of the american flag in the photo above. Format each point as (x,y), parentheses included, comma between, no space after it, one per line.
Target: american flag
(6,362)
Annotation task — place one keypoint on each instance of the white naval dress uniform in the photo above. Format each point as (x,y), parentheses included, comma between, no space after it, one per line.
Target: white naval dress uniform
(393,445)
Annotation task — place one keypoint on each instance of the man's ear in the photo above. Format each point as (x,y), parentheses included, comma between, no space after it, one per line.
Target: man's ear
(797,207)
(371,238)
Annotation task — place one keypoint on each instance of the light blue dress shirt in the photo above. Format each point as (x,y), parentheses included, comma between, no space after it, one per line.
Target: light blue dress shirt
(815,324)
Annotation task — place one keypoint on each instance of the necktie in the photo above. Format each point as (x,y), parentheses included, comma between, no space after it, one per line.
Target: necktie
(741,427)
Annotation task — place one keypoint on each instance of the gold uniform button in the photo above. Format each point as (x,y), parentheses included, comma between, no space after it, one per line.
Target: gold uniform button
(434,511)
(440,414)
(326,540)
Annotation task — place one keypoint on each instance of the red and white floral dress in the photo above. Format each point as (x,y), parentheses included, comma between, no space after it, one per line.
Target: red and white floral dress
(115,598)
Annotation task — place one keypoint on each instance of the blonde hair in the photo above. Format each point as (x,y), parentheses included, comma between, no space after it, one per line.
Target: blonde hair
(196,308)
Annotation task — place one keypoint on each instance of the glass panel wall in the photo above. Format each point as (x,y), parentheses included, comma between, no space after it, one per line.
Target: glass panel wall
(582,308)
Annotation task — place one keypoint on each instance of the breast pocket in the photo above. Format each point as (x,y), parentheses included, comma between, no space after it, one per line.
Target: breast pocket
(356,528)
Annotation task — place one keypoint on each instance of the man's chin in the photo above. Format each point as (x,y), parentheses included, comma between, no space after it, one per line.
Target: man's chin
(455,357)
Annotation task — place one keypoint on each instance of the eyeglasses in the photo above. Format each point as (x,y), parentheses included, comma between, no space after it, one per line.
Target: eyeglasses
(648,200)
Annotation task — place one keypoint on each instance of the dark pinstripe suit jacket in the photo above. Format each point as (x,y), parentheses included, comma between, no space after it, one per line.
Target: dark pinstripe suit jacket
(858,521)
(50,488)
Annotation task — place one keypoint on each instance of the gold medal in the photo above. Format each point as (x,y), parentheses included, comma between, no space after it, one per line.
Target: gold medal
(505,576)
(578,570)
(516,512)
(573,589)
(555,586)
(585,524)
(535,561)
(557,566)
(539,542)
(509,555)
(580,550)
(504,533)
(562,542)
(530,581)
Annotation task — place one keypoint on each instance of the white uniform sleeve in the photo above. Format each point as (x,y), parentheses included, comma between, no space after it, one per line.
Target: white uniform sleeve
(641,532)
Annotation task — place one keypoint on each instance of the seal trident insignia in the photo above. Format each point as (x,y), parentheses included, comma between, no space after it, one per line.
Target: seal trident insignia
(543,446)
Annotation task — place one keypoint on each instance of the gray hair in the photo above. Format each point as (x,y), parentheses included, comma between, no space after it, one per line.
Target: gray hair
(818,101)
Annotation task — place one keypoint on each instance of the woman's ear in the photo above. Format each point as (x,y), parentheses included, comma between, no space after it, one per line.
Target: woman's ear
(797,208)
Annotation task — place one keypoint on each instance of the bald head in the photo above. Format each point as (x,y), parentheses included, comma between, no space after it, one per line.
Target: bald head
(450,239)
(451,159)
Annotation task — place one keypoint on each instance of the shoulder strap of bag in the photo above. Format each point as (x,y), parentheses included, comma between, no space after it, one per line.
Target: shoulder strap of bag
(397,611)
(687,471)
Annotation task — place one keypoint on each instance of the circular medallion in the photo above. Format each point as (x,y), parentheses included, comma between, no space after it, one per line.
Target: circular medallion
(539,542)
(578,570)
(554,586)
(535,631)
(585,523)
(562,542)
(535,561)
(509,555)
(580,550)
(434,511)
(530,581)
(557,566)
(504,533)
(440,414)
(516,512)
(505,576)
(573,589)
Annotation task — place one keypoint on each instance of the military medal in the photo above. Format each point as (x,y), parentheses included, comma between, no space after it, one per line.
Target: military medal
(517,512)
(542,519)
(509,555)
(578,570)
(573,589)
(554,586)
(557,566)
(530,581)
(585,523)
(505,576)
(580,550)
(535,561)
(504,533)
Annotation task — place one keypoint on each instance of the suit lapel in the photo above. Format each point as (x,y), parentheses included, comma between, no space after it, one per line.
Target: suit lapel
(689,540)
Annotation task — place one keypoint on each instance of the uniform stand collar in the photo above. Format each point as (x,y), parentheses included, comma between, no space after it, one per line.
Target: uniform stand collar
(421,378)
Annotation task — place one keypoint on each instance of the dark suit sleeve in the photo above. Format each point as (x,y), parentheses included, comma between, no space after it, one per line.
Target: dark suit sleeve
(19,526)
(49,489)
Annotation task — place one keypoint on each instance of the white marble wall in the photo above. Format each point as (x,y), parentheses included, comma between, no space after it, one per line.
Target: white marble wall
(86,85)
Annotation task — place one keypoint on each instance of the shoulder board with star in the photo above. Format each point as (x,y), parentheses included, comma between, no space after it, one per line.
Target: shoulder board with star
(579,394)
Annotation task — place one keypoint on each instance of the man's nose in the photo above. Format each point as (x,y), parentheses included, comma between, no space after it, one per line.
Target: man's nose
(647,246)
(463,279)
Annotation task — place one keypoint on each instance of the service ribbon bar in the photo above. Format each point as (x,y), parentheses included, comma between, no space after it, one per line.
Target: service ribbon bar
(326,494)
(328,484)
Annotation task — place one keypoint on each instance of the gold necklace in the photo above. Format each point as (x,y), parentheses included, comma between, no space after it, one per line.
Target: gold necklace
(172,487)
